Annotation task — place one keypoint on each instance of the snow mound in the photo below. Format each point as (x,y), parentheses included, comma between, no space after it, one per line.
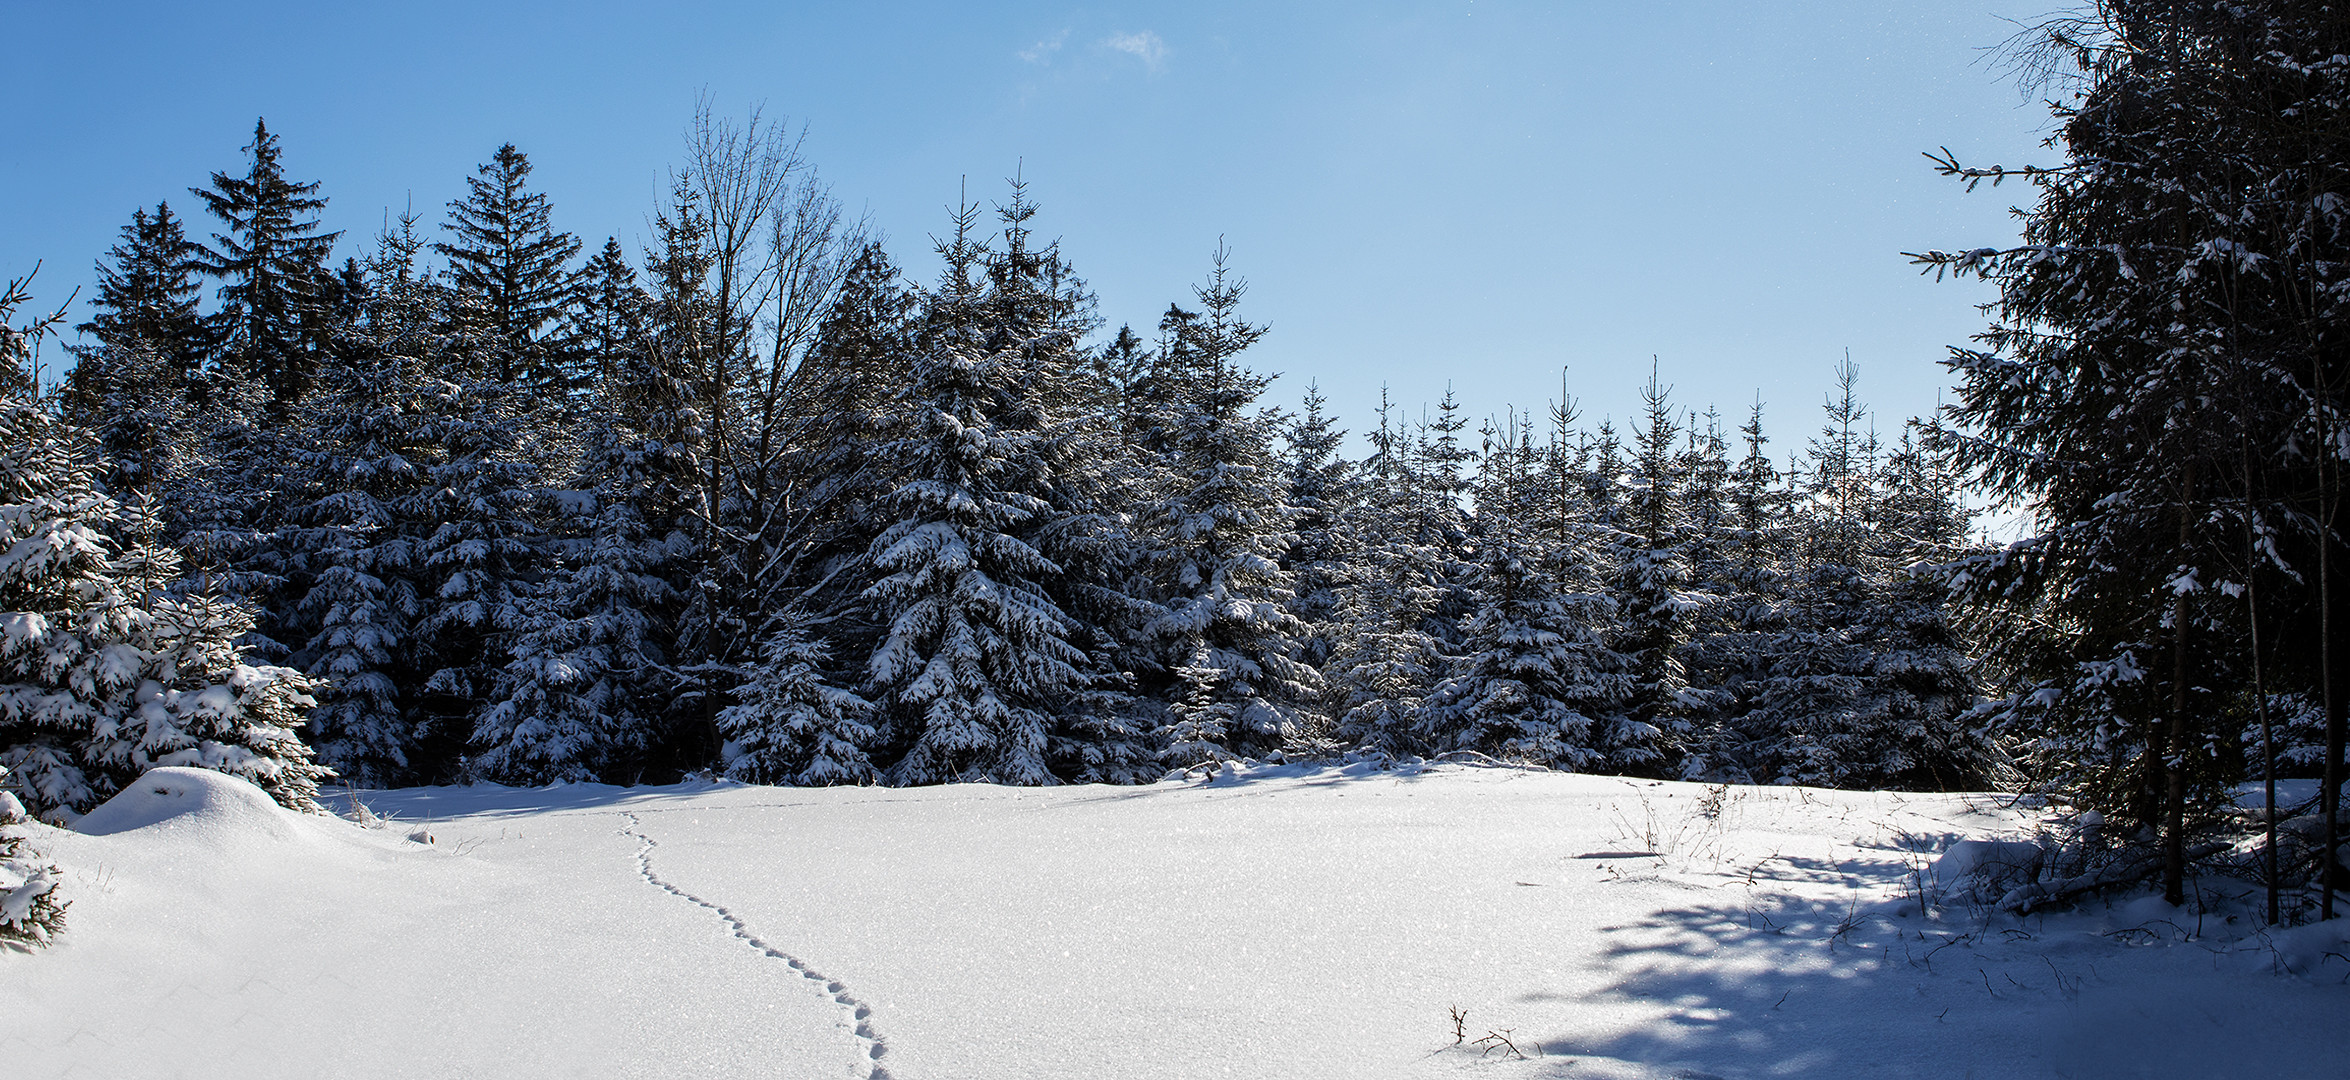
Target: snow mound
(2304,950)
(193,803)
(1988,867)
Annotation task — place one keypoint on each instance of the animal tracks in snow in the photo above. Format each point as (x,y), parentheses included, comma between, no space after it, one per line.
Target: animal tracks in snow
(869,1040)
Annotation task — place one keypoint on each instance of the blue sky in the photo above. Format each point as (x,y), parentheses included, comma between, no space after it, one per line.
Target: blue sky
(1465,193)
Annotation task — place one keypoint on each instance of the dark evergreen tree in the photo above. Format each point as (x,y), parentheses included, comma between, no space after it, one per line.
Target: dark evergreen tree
(352,543)
(1324,488)
(1385,660)
(610,314)
(581,694)
(507,255)
(2174,293)
(1650,582)
(135,386)
(271,260)
(478,559)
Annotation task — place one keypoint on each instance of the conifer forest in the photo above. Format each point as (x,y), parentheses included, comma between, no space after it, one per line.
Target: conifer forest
(771,499)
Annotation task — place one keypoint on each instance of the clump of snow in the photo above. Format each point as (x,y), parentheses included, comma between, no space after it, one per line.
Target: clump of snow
(1987,868)
(22,884)
(2290,793)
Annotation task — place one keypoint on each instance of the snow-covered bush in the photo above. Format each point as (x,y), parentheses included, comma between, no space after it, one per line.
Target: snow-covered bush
(30,913)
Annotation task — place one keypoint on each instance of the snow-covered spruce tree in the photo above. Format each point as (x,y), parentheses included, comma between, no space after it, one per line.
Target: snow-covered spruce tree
(1650,584)
(1811,706)
(663,398)
(30,911)
(588,689)
(1923,662)
(1443,482)
(1226,631)
(352,540)
(2174,296)
(1708,546)
(104,671)
(478,558)
(1747,611)
(1384,660)
(792,725)
(977,655)
(197,702)
(1865,681)
(589,678)
(1534,672)
(1324,488)
(1036,306)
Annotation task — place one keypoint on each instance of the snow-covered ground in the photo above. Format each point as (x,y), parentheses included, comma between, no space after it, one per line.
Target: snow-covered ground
(1290,923)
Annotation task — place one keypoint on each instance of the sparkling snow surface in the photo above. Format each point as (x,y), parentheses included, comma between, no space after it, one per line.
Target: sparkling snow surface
(1288,922)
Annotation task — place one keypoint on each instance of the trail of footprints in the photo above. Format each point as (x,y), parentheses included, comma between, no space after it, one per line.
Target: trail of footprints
(869,1039)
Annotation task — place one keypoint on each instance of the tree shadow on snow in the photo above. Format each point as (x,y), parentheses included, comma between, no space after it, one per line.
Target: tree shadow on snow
(1780,987)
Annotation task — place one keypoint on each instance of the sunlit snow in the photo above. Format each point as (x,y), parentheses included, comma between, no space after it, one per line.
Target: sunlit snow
(1294,922)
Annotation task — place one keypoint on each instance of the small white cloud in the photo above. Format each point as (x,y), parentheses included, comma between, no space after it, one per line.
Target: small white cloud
(1144,46)
(1042,52)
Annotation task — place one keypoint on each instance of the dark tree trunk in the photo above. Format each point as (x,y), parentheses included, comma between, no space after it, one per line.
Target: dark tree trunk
(2174,794)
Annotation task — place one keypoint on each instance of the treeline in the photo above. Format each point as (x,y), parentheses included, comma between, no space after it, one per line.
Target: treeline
(753,503)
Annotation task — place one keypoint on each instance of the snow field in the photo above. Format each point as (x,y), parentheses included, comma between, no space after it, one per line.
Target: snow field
(205,946)
(1279,922)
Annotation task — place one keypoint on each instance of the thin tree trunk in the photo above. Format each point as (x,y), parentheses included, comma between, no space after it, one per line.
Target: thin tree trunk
(2329,877)
(2268,750)
(2174,800)
(2331,794)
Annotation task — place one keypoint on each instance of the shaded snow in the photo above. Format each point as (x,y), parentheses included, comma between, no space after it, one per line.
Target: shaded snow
(1279,922)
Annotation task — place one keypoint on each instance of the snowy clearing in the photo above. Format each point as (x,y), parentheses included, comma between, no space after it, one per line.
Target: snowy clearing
(1289,922)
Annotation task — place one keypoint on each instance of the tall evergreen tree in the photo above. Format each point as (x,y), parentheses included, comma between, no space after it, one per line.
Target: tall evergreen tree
(978,655)
(1226,632)
(478,556)
(507,255)
(2174,292)
(271,260)
(134,388)
(1323,486)
(1385,660)
(353,539)
(1651,586)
